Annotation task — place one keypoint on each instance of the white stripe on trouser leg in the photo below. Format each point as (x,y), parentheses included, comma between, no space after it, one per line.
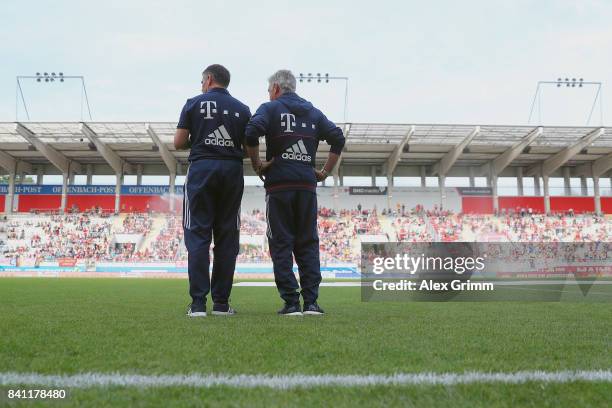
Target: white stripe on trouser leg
(185,198)
(268,228)
(188,206)
(186,212)
(184,202)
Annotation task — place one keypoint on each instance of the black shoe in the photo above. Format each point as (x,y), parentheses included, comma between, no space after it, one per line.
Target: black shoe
(197,309)
(290,310)
(313,309)
(220,309)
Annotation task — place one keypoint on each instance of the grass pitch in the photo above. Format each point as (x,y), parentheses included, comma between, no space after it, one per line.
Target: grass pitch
(70,326)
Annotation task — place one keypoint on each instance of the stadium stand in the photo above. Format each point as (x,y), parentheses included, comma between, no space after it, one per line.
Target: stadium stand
(142,223)
(81,236)
(431,153)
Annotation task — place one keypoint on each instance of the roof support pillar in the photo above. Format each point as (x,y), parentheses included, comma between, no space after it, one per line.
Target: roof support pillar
(449,159)
(423,176)
(139,175)
(545,180)
(502,161)
(441,184)
(65,178)
(165,154)
(396,155)
(519,181)
(495,197)
(596,194)
(56,158)
(118,184)
(567,187)
(89,174)
(172,192)
(389,190)
(548,166)
(10,195)
(12,164)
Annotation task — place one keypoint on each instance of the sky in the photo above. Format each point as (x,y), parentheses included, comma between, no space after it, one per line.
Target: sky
(472,62)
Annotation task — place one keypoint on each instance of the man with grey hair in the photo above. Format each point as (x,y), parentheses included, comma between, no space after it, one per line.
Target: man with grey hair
(293,129)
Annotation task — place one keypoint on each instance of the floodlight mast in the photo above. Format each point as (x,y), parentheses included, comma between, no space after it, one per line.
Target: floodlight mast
(326,78)
(567,83)
(48,78)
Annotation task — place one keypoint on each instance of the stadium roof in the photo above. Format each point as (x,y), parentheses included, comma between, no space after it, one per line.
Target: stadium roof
(441,148)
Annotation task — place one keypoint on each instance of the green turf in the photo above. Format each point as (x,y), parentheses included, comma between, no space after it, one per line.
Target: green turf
(138,326)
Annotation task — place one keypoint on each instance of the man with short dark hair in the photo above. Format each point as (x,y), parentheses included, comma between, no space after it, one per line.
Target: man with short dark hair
(212,124)
(293,129)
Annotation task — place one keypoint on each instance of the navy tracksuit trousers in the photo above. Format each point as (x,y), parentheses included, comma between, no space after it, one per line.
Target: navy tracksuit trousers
(292,230)
(211,209)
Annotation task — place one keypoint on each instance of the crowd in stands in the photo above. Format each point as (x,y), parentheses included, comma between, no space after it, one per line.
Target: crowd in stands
(253,254)
(136,223)
(413,228)
(49,237)
(547,254)
(336,237)
(366,222)
(166,246)
(253,223)
(89,235)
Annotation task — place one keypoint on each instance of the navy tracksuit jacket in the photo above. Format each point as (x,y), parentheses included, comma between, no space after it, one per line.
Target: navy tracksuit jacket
(213,190)
(293,129)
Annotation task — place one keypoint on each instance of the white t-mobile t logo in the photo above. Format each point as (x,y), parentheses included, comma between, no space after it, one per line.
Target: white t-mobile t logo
(211,107)
(289,120)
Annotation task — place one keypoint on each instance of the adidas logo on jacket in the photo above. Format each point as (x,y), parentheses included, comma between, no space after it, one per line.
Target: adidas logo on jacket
(219,137)
(297,152)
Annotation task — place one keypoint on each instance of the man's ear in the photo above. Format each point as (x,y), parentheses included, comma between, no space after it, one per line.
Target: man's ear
(206,83)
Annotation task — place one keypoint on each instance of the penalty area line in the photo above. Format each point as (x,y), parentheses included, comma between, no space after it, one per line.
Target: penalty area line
(88,380)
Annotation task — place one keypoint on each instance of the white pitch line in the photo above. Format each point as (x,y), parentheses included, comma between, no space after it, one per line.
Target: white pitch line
(87,380)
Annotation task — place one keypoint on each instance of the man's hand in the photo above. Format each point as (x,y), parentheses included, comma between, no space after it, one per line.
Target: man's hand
(321,174)
(262,167)
(332,159)
(181,139)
